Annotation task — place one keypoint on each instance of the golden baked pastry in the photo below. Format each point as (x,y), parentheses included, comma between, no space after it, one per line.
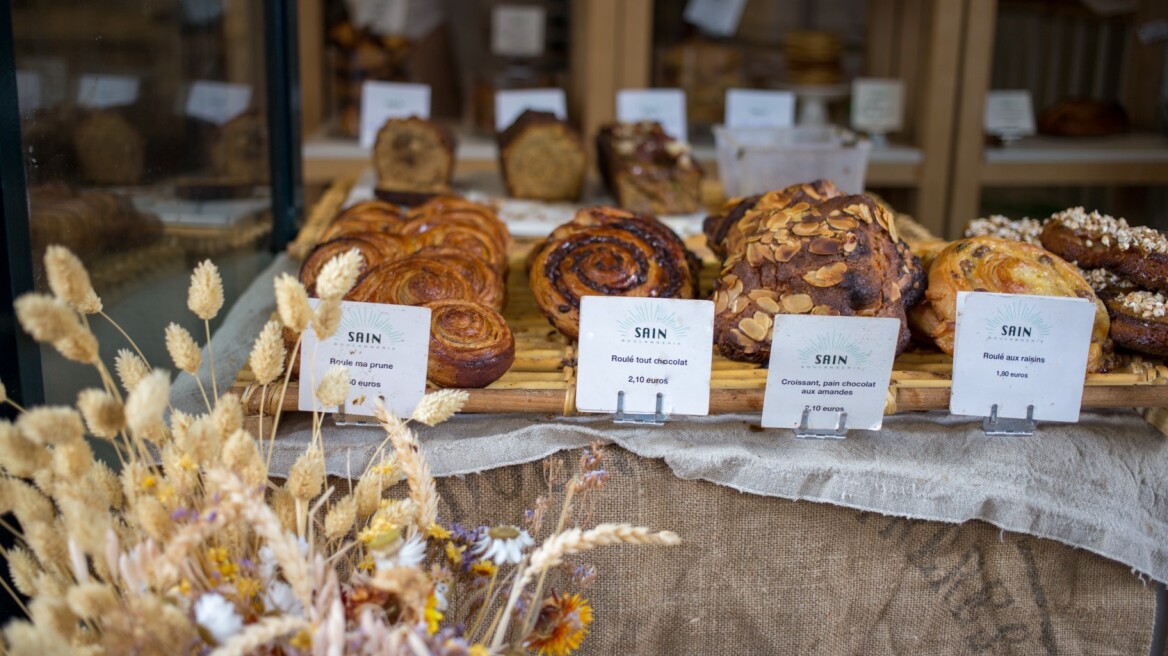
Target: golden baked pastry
(471,345)
(414,280)
(1094,240)
(366,216)
(1139,321)
(989,264)
(726,230)
(488,285)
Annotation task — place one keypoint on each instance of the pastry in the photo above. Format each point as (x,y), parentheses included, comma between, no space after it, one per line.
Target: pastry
(1139,322)
(1081,117)
(240,154)
(450,210)
(110,149)
(605,251)
(646,170)
(841,256)
(466,238)
(366,216)
(488,285)
(1025,229)
(989,264)
(374,249)
(414,280)
(414,156)
(728,229)
(542,157)
(1095,240)
(470,344)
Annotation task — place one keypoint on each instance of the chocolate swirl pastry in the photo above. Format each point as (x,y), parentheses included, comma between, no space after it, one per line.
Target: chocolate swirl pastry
(487,284)
(374,249)
(989,264)
(604,251)
(414,280)
(1094,240)
(726,230)
(470,344)
(838,257)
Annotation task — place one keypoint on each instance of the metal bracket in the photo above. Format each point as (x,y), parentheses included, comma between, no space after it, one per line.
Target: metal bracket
(995,425)
(342,419)
(806,432)
(655,419)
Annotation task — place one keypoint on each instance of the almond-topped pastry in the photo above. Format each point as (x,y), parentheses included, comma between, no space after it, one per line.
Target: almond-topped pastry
(1003,227)
(1094,240)
(840,256)
(989,264)
(1139,321)
(727,230)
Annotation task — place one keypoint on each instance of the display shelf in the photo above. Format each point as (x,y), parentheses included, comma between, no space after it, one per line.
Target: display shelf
(1130,159)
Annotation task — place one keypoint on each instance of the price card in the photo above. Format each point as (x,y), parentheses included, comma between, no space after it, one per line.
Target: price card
(517,30)
(104,91)
(217,102)
(642,346)
(511,103)
(666,106)
(1014,350)
(877,105)
(381,101)
(715,17)
(1009,114)
(829,365)
(385,348)
(28,90)
(754,108)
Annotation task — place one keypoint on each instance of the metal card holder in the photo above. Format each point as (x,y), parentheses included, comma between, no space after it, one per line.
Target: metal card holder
(655,419)
(342,419)
(995,425)
(805,432)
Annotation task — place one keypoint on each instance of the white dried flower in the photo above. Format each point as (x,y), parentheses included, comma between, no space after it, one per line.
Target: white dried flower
(268,353)
(334,387)
(205,296)
(183,349)
(131,369)
(147,401)
(437,407)
(326,318)
(339,274)
(218,616)
(409,553)
(503,544)
(292,303)
(70,281)
(45,318)
(102,412)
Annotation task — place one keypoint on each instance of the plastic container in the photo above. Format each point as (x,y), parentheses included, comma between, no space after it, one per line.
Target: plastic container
(757,160)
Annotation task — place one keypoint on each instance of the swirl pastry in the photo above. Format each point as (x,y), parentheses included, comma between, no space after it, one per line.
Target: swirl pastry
(1139,321)
(604,251)
(988,264)
(459,211)
(1095,240)
(470,344)
(488,286)
(841,256)
(374,249)
(414,280)
(365,217)
(466,238)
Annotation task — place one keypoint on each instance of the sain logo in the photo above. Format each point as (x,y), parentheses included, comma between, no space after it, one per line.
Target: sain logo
(833,350)
(367,327)
(1018,320)
(647,322)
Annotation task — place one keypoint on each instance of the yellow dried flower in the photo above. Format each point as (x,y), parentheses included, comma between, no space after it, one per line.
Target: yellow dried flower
(292,303)
(205,296)
(326,318)
(306,478)
(92,600)
(182,349)
(131,369)
(436,531)
(69,280)
(19,456)
(437,407)
(247,588)
(51,425)
(24,570)
(228,414)
(338,275)
(454,553)
(147,401)
(340,518)
(103,413)
(80,347)
(268,353)
(334,387)
(72,461)
(45,318)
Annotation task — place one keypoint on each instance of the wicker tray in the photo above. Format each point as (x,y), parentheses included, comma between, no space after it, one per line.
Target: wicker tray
(543,377)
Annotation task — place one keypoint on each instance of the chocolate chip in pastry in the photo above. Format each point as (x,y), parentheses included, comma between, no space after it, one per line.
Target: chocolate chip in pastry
(471,345)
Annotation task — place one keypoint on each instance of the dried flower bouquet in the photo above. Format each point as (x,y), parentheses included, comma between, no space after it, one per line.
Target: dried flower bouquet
(189,547)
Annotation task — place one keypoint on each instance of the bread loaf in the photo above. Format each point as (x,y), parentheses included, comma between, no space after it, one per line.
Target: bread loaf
(542,157)
(648,171)
(413,156)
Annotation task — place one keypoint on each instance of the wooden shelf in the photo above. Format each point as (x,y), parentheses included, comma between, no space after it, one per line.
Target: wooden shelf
(1130,159)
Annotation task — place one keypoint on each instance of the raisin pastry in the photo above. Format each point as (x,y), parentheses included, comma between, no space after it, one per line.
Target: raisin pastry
(470,344)
(1095,240)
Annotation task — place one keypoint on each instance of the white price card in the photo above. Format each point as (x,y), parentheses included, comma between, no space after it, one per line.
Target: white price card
(642,347)
(28,90)
(385,348)
(715,17)
(755,108)
(1009,113)
(877,105)
(511,103)
(381,101)
(1015,350)
(666,106)
(517,30)
(828,365)
(104,91)
(217,102)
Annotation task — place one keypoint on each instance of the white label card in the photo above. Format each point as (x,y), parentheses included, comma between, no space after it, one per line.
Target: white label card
(666,106)
(877,105)
(28,90)
(385,348)
(381,101)
(1009,114)
(217,102)
(104,91)
(1015,350)
(754,108)
(511,103)
(517,30)
(715,17)
(642,346)
(828,365)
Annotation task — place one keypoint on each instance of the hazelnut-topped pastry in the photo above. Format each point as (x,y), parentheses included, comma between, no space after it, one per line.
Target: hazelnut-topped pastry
(837,257)
(1094,240)
(1025,229)
(1139,321)
(989,264)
